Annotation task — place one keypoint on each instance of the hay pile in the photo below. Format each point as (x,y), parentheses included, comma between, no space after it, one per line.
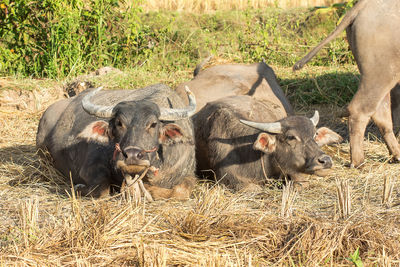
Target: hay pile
(43,224)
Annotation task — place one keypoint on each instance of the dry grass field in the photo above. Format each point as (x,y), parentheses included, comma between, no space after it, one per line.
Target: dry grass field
(43,224)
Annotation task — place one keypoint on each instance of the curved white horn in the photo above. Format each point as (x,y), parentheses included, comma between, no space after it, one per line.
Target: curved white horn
(270,127)
(97,110)
(315,118)
(171,114)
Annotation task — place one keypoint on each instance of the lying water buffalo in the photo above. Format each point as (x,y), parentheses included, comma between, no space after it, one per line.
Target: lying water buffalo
(140,129)
(244,141)
(373,33)
(257,80)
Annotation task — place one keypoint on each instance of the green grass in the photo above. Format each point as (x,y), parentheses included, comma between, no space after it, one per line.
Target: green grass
(61,42)
(164,47)
(281,37)
(317,85)
(314,85)
(61,38)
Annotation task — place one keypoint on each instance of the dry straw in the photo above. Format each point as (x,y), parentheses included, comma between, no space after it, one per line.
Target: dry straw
(44,224)
(29,213)
(289,194)
(388,186)
(344,197)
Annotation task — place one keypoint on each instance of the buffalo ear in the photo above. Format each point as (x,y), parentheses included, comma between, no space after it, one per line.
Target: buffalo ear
(326,136)
(265,143)
(96,131)
(171,132)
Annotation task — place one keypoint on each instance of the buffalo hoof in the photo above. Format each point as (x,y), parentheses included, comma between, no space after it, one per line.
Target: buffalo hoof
(356,166)
(78,188)
(394,160)
(301,185)
(356,161)
(299,177)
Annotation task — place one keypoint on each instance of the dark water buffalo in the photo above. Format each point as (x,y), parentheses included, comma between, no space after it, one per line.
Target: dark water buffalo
(395,106)
(99,137)
(373,33)
(257,80)
(244,141)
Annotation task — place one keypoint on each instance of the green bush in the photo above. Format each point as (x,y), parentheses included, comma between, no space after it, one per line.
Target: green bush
(280,37)
(58,38)
(62,38)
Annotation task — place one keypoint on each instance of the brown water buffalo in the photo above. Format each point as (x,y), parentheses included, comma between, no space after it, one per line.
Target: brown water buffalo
(244,141)
(373,33)
(99,138)
(257,80)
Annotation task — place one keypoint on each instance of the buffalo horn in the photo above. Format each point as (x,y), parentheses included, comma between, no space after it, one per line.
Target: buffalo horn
(97,110)
(315,118)
(169,114)
(270,127)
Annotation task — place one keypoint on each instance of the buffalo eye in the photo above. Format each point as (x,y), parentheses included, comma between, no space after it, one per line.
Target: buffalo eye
(292,139)
(119,123)
(151,127)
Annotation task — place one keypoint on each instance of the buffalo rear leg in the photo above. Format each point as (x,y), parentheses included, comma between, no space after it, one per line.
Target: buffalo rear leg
(383,119)
(181,191)
(362,107)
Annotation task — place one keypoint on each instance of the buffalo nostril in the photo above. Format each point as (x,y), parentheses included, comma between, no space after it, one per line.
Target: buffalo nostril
(133,153)
(140,155)
(325,160)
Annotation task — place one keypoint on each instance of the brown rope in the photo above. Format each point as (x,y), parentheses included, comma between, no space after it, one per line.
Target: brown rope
(137,177)
(263,167)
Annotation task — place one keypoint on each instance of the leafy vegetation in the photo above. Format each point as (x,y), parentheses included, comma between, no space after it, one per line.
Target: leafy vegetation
(355,259)
(59,39)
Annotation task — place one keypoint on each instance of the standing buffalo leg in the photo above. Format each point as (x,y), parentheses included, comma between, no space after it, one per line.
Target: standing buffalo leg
(373,32)
(365,105)
(383,119)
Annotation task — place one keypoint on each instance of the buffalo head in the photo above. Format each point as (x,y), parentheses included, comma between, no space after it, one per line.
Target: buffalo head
(295,144)
(136,130)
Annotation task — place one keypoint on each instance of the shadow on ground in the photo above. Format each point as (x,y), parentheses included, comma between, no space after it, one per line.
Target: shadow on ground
(22,165)
(330,94)
(335,88)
